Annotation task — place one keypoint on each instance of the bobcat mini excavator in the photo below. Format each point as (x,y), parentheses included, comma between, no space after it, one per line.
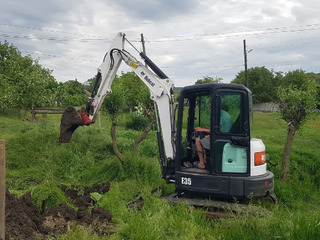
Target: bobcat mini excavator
(235,163)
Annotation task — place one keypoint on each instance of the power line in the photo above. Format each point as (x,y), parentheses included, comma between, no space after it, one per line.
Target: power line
(50,38)
(50,30)
(164,67)
(59,56)
(205,36)
(231,35)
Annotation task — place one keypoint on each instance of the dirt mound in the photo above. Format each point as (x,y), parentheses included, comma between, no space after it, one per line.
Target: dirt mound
(22,217)
(24,221)
(70,121)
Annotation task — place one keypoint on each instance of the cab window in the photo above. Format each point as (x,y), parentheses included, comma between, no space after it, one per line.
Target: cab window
(231,114)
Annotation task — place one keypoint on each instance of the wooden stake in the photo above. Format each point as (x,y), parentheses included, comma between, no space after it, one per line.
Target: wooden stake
(2,188)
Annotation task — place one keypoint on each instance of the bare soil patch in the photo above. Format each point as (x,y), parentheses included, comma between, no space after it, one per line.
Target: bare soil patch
(24,221)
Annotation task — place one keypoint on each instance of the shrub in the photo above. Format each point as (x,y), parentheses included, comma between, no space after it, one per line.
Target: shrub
(137,122)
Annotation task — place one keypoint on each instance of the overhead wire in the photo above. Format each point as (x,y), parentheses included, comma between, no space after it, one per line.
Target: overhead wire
(59,56)
(204,36)
(49,30)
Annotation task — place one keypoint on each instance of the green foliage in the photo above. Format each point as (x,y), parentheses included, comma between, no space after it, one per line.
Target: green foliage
(208,79)
(71,93)
(36,161)
(115,101)
(156,219)
(294,225)
(304,184)
(91,83)
(137,122)
(134,90)
(263,83)
(25,83)
(142,169)
(128,92)
(103,171)
(297,97)
(316,78)
(47,195)
(23,80)
(78,232)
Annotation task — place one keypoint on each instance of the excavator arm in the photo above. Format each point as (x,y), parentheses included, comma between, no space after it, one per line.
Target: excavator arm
(160,87)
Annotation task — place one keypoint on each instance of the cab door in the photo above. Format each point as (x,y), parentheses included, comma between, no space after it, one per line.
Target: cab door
(231,133)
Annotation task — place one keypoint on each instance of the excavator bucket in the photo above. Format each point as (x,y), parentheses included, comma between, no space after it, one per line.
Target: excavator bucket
(70,121)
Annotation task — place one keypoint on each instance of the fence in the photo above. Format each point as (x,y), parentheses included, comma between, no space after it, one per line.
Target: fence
(265,107)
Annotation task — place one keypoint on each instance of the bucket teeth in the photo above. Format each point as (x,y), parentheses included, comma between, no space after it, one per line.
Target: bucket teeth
(70,121)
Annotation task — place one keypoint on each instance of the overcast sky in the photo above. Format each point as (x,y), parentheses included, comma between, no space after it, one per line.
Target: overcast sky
(187,39)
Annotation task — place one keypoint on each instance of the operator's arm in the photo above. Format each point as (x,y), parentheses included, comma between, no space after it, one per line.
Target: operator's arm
(202,129)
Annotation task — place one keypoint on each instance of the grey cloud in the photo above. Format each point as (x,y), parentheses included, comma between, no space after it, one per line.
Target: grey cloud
(35,13)
(155,10)
(188,39)
(307,12)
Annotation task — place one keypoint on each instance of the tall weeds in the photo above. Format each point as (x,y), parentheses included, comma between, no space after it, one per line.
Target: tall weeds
(36,162)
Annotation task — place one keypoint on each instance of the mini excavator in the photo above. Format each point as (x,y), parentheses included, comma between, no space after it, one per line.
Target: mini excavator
(235,163)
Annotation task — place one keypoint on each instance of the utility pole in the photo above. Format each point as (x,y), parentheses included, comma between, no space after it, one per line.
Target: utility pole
(245,62)
(143,46)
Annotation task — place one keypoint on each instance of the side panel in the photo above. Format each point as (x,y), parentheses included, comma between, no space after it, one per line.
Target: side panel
(225,186)
(202,184)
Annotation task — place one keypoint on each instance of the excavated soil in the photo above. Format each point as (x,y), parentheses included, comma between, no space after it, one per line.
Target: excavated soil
(70,121)
(24,221)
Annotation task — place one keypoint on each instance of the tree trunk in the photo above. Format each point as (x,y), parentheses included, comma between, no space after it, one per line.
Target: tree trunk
(143,135)
(114,141)
(20,112)
(33,113)
(286,155)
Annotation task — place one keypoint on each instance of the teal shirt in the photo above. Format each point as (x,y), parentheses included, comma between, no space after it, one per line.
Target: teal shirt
(225,122)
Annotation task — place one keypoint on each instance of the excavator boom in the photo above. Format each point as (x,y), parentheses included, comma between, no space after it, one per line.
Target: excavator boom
(160,87)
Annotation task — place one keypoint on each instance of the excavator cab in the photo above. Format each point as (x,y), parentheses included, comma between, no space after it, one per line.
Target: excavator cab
(230,168)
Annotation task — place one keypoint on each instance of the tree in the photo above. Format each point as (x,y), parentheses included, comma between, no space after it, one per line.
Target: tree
(262,83)
(129,91)
(36,88)
(137,95)
(135,90)
(297,96)
(25,83)
(316,78)
(114,103)
(9,55)
(71,93)
(208,79)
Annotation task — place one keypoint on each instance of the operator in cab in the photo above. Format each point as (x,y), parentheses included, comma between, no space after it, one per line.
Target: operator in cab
(203,141)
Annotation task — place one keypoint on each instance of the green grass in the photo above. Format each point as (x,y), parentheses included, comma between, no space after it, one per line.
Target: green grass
(305,157)
(36,162)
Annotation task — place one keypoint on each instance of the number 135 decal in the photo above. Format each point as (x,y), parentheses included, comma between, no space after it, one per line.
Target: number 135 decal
(185,181)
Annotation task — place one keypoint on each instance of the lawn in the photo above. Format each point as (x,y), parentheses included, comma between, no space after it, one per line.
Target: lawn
(36,160)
